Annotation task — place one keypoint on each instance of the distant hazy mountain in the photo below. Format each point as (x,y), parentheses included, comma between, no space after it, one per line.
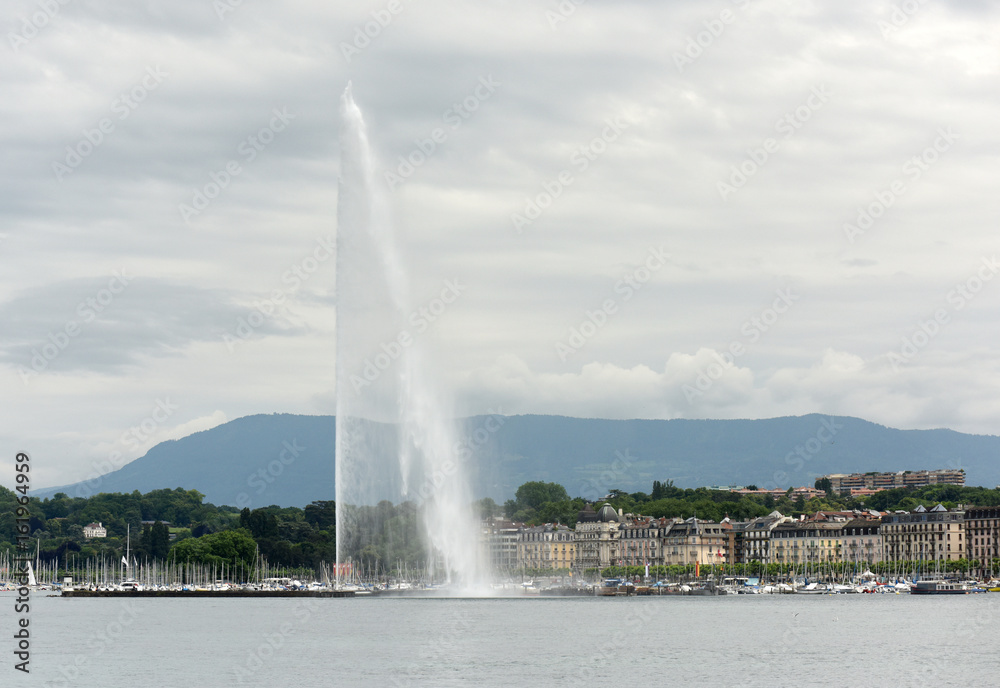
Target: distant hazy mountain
(288,460)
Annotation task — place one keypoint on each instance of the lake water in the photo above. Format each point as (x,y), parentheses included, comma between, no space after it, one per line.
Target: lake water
(746,640)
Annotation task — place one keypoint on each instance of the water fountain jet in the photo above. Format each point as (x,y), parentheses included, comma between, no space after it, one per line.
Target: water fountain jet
(395,434)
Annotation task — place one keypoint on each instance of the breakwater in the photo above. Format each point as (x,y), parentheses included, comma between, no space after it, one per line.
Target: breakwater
(208,593)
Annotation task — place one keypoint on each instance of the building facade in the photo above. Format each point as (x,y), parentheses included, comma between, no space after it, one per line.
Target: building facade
(924,535)
(500,538)
(862,541)
(757,537)
(841,482)
(549,546)
(596,537)
(639,542)
(694,541)
(94,530)
(806,542)
(982,533)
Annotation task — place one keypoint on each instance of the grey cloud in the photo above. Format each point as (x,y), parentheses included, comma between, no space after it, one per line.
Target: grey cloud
(84,325)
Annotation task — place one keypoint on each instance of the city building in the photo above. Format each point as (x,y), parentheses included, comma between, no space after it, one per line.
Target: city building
(982,533)
(843,483)
(596,537)
(813,541)
(862,541)
(549,546)
(695,541)
(757,537)
(777,493)
(924,535)
(736,529)
(500,538)
(639,541)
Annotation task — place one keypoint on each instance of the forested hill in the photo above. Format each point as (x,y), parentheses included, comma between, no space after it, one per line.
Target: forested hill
(288,459)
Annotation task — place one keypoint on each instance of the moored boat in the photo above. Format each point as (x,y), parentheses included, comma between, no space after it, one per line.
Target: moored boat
(943,587)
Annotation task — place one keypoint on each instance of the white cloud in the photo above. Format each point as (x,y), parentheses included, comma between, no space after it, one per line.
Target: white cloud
(654,185)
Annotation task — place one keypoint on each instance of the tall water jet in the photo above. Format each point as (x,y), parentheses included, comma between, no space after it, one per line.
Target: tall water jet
(396,452)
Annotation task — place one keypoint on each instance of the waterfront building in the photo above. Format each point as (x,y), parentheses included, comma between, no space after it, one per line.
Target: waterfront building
(757,537)
(549,546)
(924,535)
(736,529)
(862,541)
(596,537)
(694,541)
(982,533)
(639,541)
(94,530)
(500,538)
(840,482)
(814,541)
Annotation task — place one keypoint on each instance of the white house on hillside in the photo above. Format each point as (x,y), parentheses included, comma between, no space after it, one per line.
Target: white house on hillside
(94,530)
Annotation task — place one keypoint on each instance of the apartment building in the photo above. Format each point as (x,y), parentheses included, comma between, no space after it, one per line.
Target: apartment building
(862,541)
(549,546)
(806,542)
(596,537)
(982,533)
(924,535)
(844,483)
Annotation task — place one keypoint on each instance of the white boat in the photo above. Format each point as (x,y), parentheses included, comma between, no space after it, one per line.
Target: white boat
(943,587)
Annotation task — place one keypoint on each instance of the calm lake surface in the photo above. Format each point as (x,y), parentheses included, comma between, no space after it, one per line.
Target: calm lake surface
(746,640)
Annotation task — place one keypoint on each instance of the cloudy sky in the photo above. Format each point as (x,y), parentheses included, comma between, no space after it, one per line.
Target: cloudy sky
(654,210)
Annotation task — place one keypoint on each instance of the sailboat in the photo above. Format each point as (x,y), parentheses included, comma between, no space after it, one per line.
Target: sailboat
(129,583)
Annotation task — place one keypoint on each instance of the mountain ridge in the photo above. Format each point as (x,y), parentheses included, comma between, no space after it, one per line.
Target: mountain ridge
(287,459)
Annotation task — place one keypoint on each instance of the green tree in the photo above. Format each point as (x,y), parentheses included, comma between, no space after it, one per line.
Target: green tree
(228,547)
(486,508)
(533,494)
(825,485)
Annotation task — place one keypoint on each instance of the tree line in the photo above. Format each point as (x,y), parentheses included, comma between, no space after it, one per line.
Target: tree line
(175,525)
